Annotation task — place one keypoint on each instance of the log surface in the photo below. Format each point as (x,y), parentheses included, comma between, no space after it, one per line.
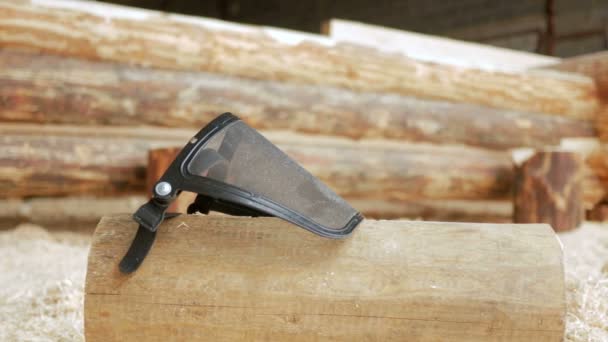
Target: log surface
(149,38)
(226,278)
(594,65)
(548,189)
(434,48)
(44,88)
(60,160)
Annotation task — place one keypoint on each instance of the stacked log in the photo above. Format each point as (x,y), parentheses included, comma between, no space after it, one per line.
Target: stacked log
(64,160)
(51,89)
(428,132)
(548,189)
(162,40)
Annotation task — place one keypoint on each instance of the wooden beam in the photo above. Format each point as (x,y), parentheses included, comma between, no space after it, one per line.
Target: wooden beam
(44,88)
(66,213)
(62,160)
(84,212)
(228,278)
(434,49)
(548,189)
(498,211)
(115,33)
(594,65)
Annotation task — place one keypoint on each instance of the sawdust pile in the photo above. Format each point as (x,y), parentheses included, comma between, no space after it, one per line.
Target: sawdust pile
(42,278)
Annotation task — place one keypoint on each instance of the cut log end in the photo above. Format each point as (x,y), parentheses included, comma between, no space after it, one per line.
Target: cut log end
(234,278)
(159,160)
(548,189)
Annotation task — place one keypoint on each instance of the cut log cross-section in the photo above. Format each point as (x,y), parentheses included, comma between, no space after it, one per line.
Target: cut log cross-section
(159,160)
(149,38)
(548,189)
(51,89)
(249,279)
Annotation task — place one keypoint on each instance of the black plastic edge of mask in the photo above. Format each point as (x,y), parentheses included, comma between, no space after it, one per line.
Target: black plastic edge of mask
(178,176)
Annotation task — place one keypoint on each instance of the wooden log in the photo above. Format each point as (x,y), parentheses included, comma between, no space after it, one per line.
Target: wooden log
(437,210)
(548,189)
(51,89)
(229,278)
(84,212)
(159,160)
(106,32)
(62,160)
(594,65)
(498,211)
(80,213)
(599,212)
(433,48)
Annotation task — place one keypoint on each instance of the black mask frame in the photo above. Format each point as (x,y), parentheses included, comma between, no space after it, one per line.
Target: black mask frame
(213,195)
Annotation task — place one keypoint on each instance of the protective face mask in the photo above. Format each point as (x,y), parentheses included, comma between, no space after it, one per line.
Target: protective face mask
(236,171)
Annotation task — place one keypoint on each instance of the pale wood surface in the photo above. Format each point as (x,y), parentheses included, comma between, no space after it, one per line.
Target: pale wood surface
(45,89)
(80,213)
(226,278)
(105,32)
(63,160)
(433,48)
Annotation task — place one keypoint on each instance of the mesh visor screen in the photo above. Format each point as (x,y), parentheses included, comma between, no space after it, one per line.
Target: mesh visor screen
(241,157)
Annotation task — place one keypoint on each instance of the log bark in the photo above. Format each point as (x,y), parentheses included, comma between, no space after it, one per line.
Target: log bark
(105,32)
(51,89)
(227,278)
(433,48)
(548,189)
(59,160)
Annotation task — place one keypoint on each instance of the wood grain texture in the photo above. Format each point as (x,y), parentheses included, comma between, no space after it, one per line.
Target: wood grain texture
(433,48)
(105,32)
(594,65)
(489,211)
(59,160)
(227,278)
(548,188)
(81,213)
(44,88)
(84,212)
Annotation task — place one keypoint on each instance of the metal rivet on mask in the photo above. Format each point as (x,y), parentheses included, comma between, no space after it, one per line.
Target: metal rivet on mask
(163,189)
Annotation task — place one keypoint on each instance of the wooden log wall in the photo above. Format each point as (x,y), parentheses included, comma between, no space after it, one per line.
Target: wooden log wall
(60,160)
(114,33)
(92,64)
(45,89)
